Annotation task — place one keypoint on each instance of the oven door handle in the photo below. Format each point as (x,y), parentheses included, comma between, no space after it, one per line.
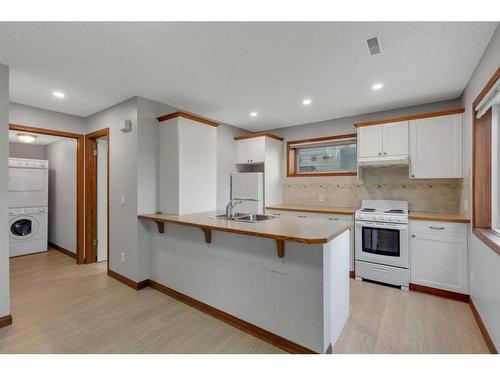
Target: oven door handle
(370,224)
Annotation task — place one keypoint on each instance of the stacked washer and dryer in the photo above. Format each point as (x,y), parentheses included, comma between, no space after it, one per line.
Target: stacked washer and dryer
(28,206)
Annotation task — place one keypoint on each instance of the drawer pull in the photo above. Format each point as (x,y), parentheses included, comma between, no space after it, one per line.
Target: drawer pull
(333,218)
(303,216)
(437,228)
(379,269)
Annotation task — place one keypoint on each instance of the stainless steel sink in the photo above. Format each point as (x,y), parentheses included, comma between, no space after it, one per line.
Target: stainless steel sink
(254,217)
(249,218)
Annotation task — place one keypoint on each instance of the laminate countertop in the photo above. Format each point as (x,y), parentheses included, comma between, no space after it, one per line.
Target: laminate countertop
(314,209)
(413,215)
(294,229)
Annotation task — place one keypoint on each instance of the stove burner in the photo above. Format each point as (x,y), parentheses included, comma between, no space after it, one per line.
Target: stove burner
(368,210)
(395,211)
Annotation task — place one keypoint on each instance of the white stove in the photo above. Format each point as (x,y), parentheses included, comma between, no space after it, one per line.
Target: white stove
(383,210)
(382,242)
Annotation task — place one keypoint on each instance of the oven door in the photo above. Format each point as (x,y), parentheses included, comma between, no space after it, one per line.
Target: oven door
(382,243)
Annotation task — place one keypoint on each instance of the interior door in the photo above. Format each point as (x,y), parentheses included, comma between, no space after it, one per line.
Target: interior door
(370,141)
(395,138)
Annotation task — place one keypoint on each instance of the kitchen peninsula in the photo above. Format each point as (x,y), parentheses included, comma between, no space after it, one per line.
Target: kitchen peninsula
(285,280)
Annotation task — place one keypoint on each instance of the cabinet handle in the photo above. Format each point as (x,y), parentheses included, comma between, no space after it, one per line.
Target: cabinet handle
(438,228)
(379,269)
(303,216)
(333,218)
(413,236)
(413,175)
(380,153)
(385,153)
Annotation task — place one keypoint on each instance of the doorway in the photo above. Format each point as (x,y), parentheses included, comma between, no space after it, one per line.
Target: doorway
(97,196)
(77,172)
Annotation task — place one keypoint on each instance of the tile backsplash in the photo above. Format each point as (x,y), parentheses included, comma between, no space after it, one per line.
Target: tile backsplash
(393,182)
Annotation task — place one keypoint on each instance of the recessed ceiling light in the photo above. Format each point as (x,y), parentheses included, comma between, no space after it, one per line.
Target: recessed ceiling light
(254,114)
(58,94)
(306,101)
(26,138)
(377,86)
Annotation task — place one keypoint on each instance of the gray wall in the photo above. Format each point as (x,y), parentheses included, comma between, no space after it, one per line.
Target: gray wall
(484,263)
(62,193)
(42,118)
(226,154)
(4,154)
(26,151)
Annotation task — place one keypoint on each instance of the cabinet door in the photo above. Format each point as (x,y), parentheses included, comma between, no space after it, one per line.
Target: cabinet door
(436,147)
(257,150)
(243,151)
(395,138)
(439,262)
(370,141)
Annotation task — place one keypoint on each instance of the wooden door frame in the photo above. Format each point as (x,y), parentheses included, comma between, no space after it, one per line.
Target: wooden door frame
(79,178)
(91,194)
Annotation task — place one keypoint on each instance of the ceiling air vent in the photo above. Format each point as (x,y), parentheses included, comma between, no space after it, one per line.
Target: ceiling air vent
(373,46)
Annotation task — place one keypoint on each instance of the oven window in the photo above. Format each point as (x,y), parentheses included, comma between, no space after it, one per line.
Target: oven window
(381,241)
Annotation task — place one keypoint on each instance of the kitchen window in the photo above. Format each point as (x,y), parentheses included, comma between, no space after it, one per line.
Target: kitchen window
(486,164)
(326,156)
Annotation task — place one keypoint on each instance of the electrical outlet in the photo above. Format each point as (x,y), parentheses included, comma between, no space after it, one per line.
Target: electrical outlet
(122,200)
(123,257)
(321,197)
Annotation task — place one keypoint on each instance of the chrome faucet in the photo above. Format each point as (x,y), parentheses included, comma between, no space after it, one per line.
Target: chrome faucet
(235,201)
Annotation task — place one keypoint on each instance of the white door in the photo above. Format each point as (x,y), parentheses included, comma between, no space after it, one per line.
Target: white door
(436,147)
(439,262)
(370,141)
(102,199)
(395,138)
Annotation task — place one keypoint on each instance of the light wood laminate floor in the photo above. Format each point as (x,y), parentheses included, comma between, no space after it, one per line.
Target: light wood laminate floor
(59,307)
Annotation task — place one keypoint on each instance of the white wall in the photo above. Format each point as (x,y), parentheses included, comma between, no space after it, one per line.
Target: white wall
(4,155)
(42,118)
(484,262)
(62,193)
(26,151)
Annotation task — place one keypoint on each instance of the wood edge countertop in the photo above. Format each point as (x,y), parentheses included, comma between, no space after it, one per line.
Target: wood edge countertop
(413,215)
(291,229)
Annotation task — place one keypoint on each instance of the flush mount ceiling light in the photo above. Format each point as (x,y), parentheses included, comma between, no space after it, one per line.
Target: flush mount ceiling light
(58,94)
(254,114)
(26,138)
(377,86)
(306,101)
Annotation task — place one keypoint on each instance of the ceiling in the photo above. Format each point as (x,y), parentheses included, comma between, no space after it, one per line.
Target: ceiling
(224,71)
(40,138)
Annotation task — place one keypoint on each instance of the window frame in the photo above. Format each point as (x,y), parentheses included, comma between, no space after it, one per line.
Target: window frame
(482,184)
(291,156)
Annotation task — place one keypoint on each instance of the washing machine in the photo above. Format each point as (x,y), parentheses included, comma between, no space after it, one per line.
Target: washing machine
(28,230)
(28,183)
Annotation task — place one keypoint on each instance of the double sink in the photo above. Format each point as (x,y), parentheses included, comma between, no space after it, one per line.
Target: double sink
(249,218)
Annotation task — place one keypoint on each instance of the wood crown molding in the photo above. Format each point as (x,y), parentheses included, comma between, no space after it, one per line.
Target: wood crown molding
(409,117)
(5,321)
(188,116)
(482,328)
(495,77)
(258,134)
(323,139)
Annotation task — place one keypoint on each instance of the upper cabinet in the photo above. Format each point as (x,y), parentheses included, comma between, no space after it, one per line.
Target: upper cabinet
(436,147)
(251,150)
(383,143)
(431,143)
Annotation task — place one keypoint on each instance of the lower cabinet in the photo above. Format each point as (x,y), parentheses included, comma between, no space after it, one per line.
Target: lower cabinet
(333,217)
(438,256)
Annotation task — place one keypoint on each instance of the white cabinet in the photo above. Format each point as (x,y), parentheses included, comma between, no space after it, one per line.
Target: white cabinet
(436,147)
(439,255)
(380,142)
(251,150)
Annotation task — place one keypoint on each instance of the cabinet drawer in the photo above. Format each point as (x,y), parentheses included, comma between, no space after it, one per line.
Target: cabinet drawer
(439,228)
(382,273)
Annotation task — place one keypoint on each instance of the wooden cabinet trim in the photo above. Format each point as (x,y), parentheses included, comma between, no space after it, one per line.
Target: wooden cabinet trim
(489,237)
(409,117)
(188,116)
(259,134)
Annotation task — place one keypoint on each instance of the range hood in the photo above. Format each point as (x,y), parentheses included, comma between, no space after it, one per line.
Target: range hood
(383,161)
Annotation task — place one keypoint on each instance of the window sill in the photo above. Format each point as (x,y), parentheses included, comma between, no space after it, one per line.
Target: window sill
(322,174)
(490,237)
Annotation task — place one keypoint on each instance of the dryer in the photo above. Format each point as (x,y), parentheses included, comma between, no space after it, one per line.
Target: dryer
(28,230)
(28,183)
